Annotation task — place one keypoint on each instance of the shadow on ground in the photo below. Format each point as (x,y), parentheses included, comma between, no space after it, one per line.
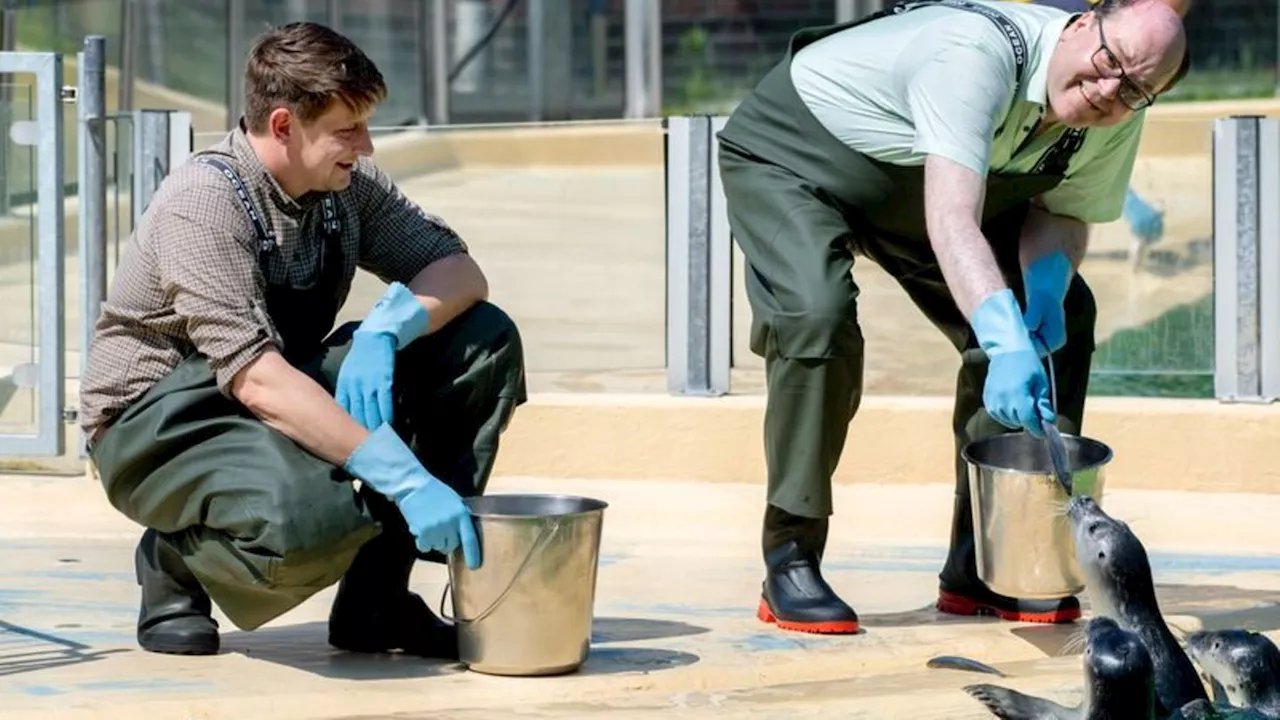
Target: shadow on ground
(23,650)
(305,647)
(1213,606)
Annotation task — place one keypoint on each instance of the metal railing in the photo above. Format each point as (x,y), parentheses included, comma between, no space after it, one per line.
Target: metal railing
(1246,258)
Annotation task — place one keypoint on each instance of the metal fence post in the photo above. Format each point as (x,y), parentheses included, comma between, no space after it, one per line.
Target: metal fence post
(91,107)
(162,140)
(1246,257)
(698,261)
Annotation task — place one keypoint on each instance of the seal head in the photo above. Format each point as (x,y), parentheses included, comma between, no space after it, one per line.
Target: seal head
(1118,577)
(1118,682)
(1246,664)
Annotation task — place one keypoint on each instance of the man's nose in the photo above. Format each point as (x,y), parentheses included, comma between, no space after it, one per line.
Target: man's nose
(364,145)
(1109,87)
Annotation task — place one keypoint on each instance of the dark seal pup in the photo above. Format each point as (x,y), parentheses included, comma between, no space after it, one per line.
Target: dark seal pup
(1245,664)
(1118,577)
(1118,682)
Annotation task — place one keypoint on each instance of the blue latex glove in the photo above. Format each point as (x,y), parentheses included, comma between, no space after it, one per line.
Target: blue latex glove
(1144,220)
(436,515)
(1045,282)
(1016,393)
(363,388)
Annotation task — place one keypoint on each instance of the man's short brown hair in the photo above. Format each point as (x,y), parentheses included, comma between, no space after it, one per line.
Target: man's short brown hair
(305,67)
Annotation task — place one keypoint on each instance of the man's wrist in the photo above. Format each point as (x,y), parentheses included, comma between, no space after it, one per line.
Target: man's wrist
(398,313)
(999,326)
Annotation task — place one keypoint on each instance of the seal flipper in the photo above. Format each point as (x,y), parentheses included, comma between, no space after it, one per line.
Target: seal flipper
(1196,710)
(1012,705)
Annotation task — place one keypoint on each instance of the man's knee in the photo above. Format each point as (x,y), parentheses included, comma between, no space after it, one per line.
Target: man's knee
(821,325)
(308,522)
(492,338)
(495,330)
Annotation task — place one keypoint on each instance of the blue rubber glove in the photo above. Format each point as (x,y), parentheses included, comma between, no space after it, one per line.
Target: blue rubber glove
(363,388)
(436,515)
(1144,220)
(1016,393)
(1045,282)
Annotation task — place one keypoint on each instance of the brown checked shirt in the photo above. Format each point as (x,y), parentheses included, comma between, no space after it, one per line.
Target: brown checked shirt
(191,278)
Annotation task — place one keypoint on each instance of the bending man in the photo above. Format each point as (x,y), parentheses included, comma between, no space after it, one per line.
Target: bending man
(964,147)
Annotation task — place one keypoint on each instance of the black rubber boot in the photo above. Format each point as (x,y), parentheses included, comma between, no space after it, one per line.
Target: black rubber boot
(374,611)
(176,615)
(795,595)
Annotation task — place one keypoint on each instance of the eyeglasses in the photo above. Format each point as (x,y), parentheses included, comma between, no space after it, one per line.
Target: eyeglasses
(1131,94)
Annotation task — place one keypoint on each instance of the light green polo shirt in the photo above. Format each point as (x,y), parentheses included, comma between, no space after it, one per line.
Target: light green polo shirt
(941,80)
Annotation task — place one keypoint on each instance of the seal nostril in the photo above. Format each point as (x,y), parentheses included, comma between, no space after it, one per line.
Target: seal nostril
(1102,556)
(1093,528)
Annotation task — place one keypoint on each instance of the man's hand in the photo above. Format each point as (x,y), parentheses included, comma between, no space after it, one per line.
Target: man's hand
(436,515)
(1045,282)
(1051,247)
(1016,393)
(364,381)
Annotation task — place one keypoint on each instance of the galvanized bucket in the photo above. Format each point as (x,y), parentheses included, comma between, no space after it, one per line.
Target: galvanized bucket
(1022,536)
(528,608)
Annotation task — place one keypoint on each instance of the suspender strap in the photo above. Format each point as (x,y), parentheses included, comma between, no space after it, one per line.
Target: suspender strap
(267,238)
(1016,39)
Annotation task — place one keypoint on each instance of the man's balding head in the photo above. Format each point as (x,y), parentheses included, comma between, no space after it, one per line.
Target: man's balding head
(1113,59)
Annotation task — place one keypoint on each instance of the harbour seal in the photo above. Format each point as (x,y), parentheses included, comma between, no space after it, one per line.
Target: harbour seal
(1118,580)
(1118,675)
(1245,664)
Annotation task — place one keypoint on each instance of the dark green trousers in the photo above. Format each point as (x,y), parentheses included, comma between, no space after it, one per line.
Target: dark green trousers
(260,521)
(800,244)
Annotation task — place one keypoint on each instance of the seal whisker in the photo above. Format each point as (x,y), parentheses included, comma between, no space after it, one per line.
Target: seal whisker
(1075,642)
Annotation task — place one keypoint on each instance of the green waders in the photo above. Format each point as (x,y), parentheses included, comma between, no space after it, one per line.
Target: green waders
(802,206)
(263,524)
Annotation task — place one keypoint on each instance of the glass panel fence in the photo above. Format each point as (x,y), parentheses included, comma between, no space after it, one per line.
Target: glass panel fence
(568,223)
(19,337)
(1153,291)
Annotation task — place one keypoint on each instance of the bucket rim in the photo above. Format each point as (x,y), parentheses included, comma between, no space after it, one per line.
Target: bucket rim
(1107,454)
(592,505)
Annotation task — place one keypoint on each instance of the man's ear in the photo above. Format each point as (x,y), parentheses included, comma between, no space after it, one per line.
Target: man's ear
(280,124)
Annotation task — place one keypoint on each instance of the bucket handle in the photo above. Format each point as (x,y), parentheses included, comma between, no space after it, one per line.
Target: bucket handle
(548,531)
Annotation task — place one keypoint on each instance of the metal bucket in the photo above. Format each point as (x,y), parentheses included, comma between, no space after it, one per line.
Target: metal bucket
(1022,536)
(528,608)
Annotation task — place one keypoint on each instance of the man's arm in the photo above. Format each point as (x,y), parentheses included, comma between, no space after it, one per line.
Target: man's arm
(956,96)
(401,242)
(953,196)
(449,286)
(288,400)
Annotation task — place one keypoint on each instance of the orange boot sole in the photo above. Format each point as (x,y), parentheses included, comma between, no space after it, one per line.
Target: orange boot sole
(834,627)
(960,605)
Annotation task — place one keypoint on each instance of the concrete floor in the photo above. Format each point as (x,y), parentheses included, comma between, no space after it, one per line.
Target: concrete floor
(674,630)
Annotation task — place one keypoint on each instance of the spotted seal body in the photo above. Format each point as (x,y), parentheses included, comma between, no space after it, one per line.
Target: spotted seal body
(1118,675)
(1245,664)
(1118,578)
